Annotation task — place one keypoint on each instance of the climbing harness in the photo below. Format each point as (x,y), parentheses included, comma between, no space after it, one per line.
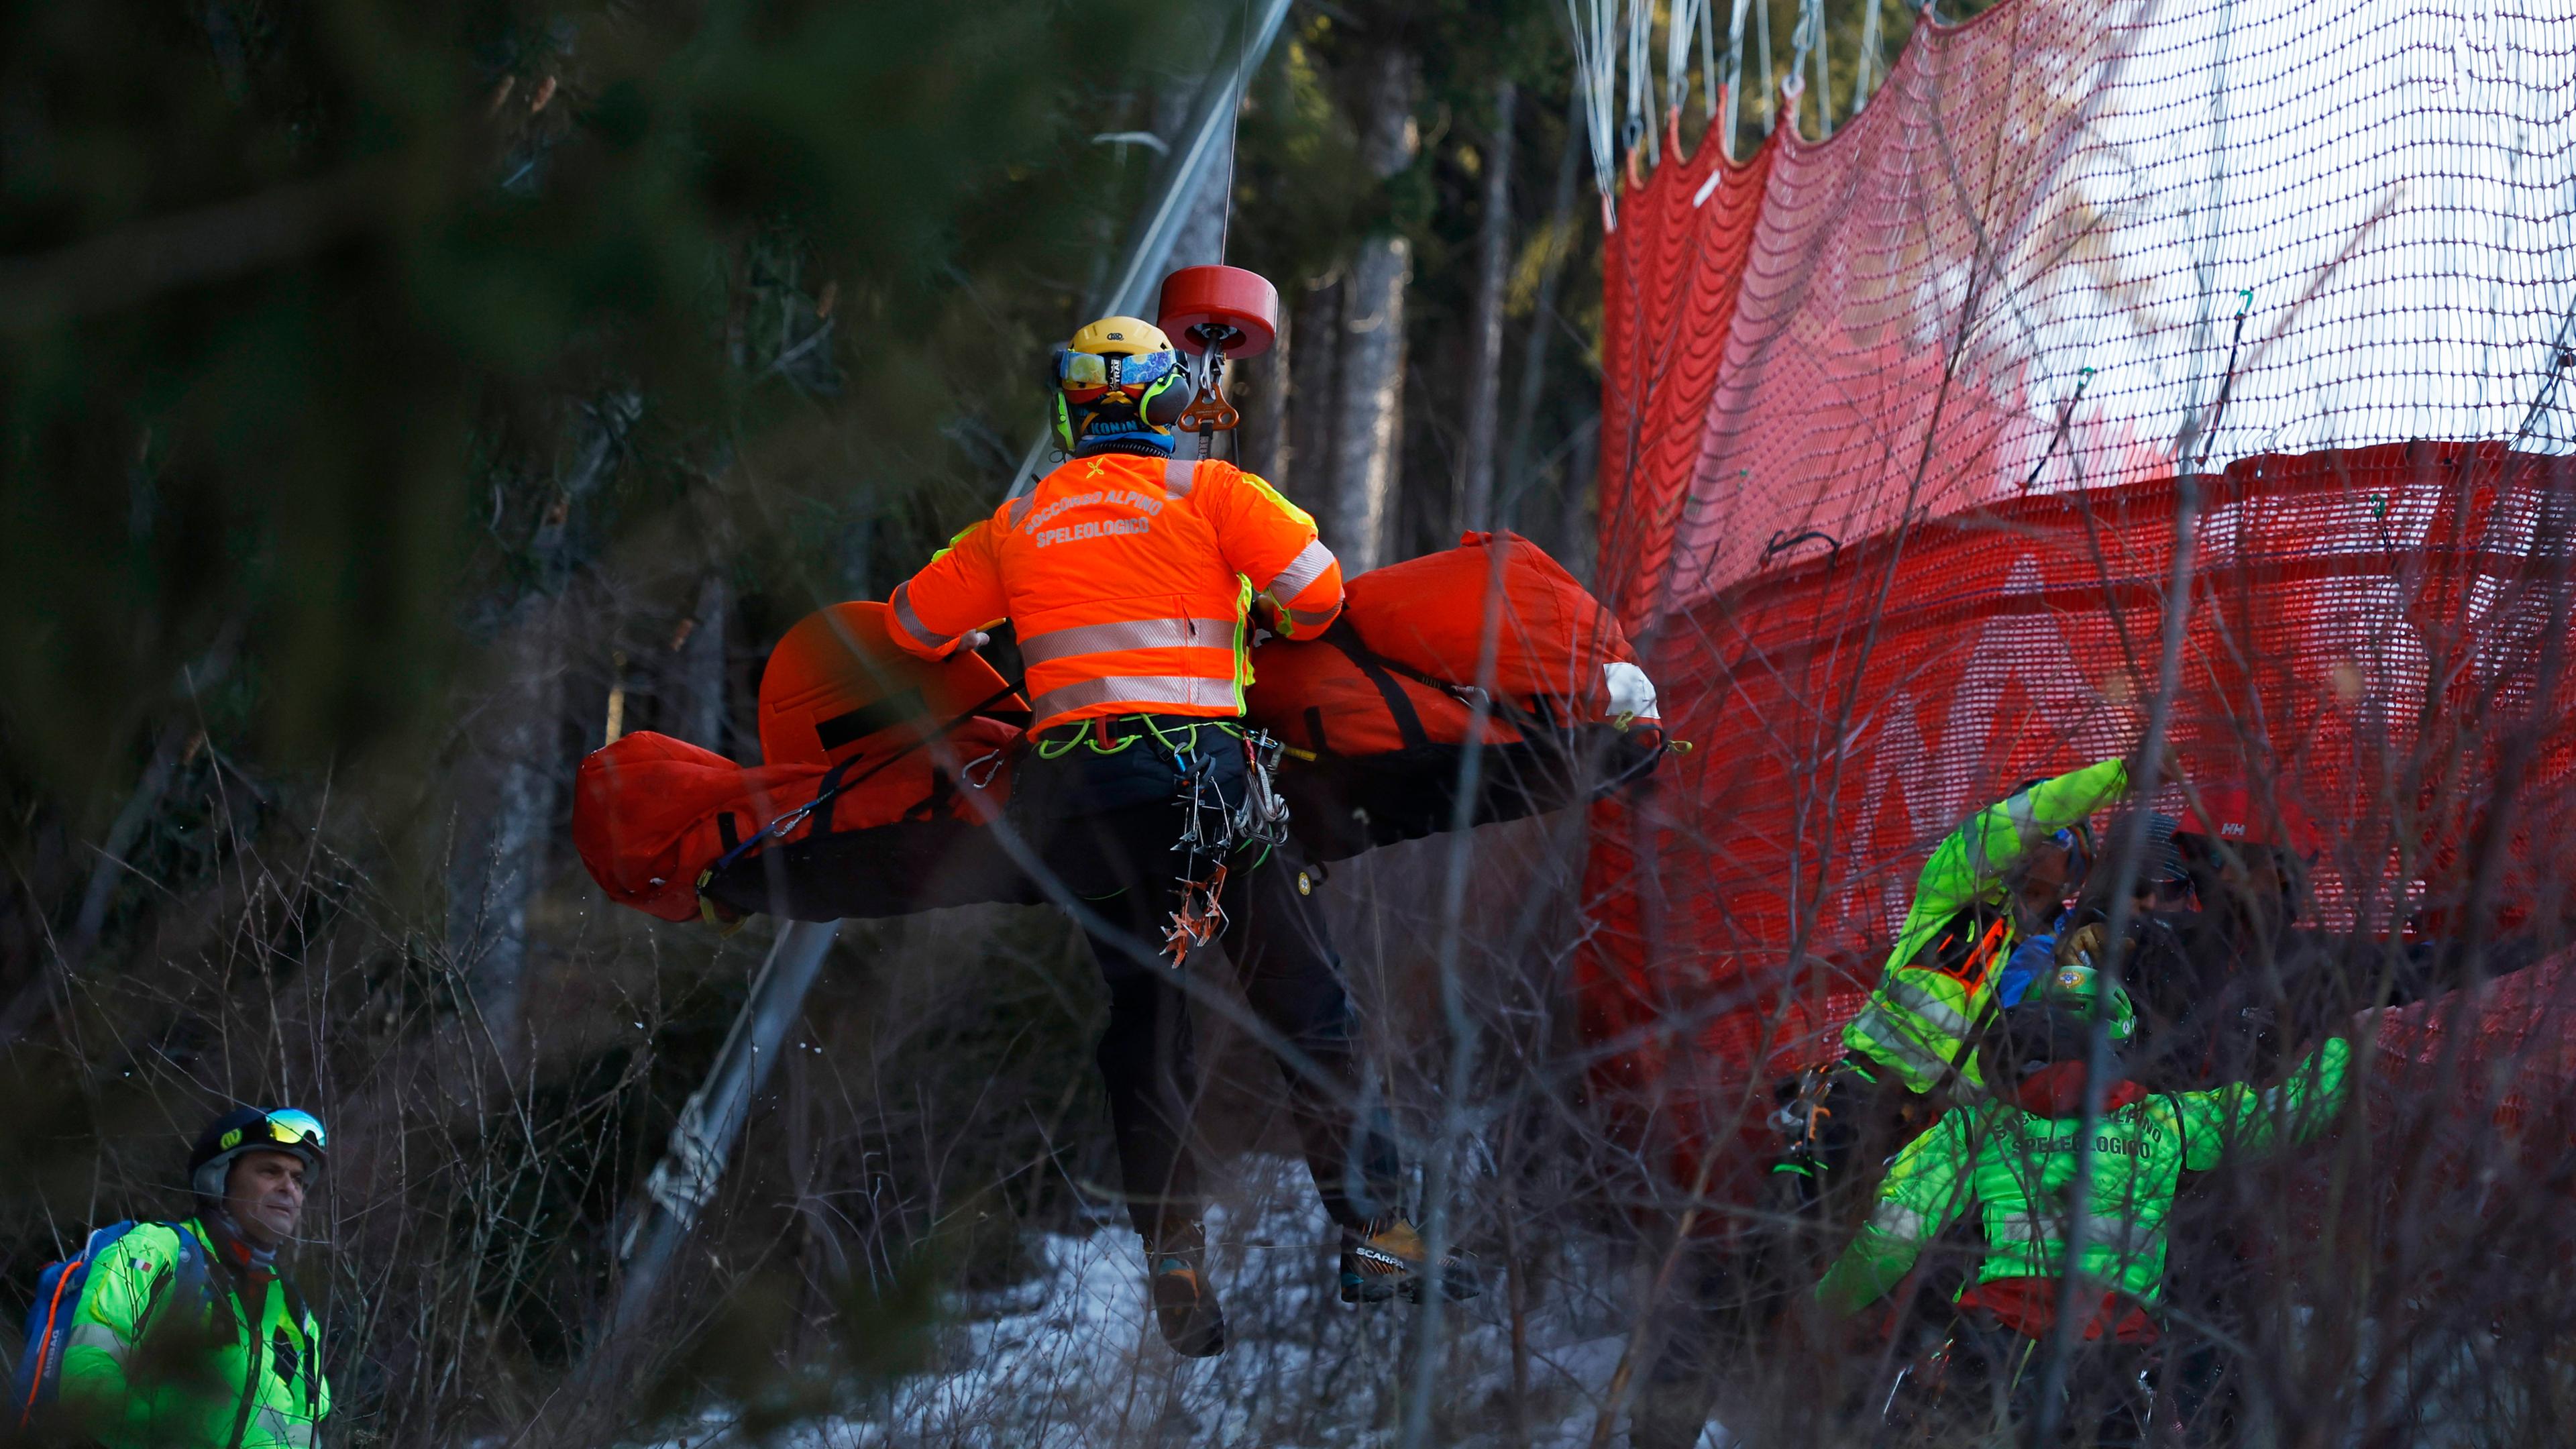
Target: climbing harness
(1214,830)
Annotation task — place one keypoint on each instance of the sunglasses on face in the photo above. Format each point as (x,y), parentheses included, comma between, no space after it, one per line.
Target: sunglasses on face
(2166,892)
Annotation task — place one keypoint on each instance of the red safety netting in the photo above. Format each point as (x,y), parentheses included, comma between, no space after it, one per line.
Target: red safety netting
(2515,1069)
(1892,432)
(1677,267)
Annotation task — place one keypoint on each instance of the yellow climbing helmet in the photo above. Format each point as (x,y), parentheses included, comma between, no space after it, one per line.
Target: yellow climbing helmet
(1126,336)
(1118,376)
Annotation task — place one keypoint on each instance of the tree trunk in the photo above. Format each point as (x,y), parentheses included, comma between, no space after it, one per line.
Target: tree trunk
(1261,445)
(36,996)
(1369,428)
(1580,501)
(497,872)
(497,875)
(1313,386)
(1201,239)
(1485,363)
(1195,62)
(1824,81)
(700,669)
(1542,322)
(858,543)
(1200,242)
(1770,73)
(1370,404)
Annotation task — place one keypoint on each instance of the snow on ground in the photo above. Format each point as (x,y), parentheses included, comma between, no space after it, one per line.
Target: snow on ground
(1071,1358)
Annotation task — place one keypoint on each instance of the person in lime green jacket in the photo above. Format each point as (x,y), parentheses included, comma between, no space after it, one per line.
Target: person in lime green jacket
(2012,1157)
(180,1344)
(2004,874)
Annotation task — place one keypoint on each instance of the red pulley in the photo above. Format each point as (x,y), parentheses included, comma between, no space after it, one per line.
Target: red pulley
(1225,306)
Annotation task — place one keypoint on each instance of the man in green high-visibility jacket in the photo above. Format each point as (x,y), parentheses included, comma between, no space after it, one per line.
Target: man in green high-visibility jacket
(186,1336)
(2013,1156)
(2003,874)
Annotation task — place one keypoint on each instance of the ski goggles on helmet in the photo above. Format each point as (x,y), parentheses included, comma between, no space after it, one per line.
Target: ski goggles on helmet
(289,1127)
(1086,377)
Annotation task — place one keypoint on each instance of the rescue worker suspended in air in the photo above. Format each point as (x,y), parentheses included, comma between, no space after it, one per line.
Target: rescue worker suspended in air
(1131,578)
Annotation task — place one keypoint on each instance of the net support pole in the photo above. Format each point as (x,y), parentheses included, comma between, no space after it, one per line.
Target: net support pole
(1201,152)
(1733,94)
(702,1141)
(1770,72)
(1865,72)
(1708,63)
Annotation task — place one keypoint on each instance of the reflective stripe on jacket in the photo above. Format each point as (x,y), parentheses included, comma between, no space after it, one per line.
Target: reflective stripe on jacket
(1127,579)
(2019,1167)
(1959,931)
(144,1370)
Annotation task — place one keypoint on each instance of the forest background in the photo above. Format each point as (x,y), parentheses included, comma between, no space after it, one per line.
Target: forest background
(401,401)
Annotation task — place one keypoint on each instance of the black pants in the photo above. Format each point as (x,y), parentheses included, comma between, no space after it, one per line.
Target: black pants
(1105,825)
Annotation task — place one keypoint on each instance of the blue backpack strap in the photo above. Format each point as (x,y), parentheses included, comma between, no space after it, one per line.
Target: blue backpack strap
(59,1290)
(107,1237)
(191,1267)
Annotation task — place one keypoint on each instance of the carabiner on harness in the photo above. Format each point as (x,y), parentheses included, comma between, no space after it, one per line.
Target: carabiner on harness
(989,766)
(1263,816)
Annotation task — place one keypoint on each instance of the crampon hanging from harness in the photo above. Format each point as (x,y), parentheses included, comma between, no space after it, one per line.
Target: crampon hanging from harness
(1375,713)
(1216,830)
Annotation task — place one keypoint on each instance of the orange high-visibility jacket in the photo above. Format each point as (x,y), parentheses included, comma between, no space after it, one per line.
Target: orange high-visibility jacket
(1127,579)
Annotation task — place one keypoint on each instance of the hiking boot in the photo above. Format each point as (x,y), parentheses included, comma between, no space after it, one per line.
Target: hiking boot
(1184,1300)
(1387,1257)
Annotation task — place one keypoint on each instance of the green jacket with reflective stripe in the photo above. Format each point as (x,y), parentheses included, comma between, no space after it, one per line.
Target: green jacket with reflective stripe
(1927,1003)
(144,1370)
(2018,1167)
